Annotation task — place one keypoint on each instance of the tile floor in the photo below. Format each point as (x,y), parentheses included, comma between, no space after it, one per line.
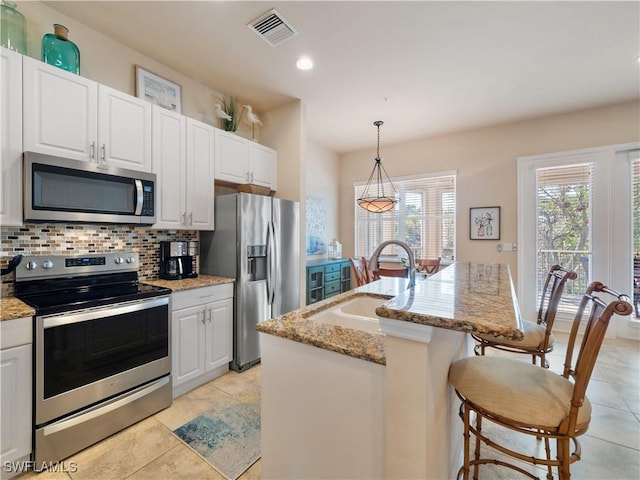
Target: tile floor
(148,450)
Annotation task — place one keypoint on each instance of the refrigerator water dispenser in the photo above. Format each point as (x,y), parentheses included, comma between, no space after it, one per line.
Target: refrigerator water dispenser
(257,262)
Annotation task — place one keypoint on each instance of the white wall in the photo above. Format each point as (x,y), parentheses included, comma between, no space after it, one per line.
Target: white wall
(322,180)
(485,160)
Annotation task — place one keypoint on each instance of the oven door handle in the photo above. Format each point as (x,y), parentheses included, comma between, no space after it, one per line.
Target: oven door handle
(66,318)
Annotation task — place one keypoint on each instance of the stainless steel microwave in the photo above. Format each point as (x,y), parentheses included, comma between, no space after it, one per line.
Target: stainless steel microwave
(63,190)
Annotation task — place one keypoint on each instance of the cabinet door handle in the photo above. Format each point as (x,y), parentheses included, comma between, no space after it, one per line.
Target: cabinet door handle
(248,177)
(209,314)
(103,153)
(92,150)
(251,177)
(190,218)
(183,217)
(204,314)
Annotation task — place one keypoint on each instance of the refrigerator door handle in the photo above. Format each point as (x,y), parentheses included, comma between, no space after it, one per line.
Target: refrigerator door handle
(271,262)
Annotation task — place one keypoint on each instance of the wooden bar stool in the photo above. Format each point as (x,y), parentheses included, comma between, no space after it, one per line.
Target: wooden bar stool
(538,339)
(535,401)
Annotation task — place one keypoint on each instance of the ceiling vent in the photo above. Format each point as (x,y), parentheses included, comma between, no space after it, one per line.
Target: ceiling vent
(273,28)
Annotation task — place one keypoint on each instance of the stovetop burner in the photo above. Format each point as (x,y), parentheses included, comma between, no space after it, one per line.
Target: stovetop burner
(53,284)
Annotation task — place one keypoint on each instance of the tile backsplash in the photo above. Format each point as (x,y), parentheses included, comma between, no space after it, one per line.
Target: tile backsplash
(79,239)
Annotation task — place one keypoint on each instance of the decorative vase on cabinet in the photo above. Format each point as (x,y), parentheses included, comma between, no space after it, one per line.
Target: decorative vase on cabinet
(59,51)
(13,28)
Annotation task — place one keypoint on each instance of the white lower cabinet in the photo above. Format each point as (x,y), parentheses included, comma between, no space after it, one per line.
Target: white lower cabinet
(15,394)
(201,335)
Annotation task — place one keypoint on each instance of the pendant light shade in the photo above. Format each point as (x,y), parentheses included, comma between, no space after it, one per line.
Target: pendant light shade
(374,198)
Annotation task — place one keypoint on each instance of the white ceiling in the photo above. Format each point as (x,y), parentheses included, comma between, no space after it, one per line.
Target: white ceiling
(424,68)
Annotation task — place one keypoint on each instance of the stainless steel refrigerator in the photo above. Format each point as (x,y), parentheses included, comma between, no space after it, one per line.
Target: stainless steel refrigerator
(256,241)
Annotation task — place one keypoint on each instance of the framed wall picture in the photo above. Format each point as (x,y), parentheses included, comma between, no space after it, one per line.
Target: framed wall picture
(484,223)
(157,90)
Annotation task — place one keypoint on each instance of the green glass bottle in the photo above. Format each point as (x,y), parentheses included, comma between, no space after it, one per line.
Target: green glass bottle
(13,28)
(59,51)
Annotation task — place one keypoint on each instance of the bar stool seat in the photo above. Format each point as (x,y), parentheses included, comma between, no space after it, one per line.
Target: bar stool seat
(533,338)
(522,392)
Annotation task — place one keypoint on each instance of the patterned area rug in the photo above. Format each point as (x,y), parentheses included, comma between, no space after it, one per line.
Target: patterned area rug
(227,436)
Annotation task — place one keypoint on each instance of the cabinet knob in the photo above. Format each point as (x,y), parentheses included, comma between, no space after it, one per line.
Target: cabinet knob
(31,265)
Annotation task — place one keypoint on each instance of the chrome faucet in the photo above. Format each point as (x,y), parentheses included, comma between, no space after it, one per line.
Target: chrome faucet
(373,263)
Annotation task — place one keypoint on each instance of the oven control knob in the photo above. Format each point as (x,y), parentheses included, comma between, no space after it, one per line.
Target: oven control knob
(47,264)
(131,260)
(31,265)
(119,260)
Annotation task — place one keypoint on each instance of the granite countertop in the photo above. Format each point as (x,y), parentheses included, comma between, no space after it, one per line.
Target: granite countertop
(190,283)
(12,308)
(467,297)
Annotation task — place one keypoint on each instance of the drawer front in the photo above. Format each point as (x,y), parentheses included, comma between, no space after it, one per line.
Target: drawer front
(331,277)
(331,288)
(334,267)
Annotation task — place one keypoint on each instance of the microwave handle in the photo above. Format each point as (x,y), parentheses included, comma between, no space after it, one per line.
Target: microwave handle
(139,197)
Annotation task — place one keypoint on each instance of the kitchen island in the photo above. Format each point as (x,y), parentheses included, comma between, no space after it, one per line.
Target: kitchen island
(352,402)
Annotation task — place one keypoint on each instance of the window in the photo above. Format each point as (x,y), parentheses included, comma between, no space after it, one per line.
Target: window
(585,216)
(424,218)
(563,196)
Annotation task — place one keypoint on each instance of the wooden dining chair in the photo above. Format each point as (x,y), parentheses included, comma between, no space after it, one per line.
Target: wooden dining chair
(538,339)
(361,272)
(428,265)
(390,272)
(534,401)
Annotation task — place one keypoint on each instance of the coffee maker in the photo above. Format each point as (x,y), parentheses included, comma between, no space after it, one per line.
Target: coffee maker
(176,260)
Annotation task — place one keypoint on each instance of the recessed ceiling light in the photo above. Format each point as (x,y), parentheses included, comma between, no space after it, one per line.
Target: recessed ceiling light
(304,63)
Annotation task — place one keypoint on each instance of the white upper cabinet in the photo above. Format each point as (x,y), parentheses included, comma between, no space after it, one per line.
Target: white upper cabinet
(10,138)
(183,163)
(124,130)
(232,157)
(239,160)
(199,186)
(263,162)
(74,117)
(169,154)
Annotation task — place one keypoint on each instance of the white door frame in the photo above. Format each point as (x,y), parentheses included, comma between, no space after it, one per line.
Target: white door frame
(611,227)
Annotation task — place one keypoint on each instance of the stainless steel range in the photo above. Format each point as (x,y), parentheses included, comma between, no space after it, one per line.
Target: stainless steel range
(102,348)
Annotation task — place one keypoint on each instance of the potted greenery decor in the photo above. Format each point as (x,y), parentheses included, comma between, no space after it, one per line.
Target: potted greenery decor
(232,117)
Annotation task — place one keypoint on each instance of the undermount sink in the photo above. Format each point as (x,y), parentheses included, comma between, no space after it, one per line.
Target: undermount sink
(358,313)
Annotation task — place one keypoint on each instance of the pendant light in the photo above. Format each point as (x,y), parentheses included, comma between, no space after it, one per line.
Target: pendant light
(373,198)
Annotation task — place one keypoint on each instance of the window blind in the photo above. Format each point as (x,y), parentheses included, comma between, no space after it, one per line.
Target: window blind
(424,218)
